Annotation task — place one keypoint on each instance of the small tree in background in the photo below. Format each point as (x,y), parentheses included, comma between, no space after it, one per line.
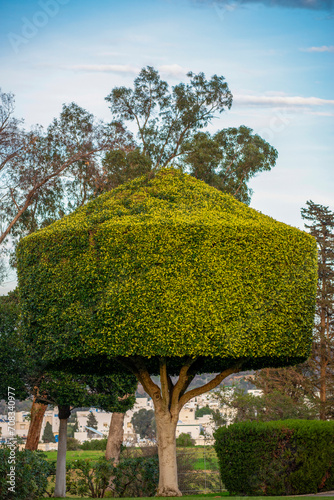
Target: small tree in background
(144,423)
(205,410)
(185,440)
(72,426)
(239,406)
(48,436)
(91,422)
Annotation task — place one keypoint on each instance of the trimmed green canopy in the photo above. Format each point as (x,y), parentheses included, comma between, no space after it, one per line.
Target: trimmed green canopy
(169,267)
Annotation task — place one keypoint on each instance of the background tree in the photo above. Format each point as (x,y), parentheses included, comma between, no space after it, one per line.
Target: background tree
(48,436)
(34,189)
(72,426)
(124,386)
(228,159)
(185,440)
(313,379)
(144,423)
(164,291)
(91,422)
(239,406)
(204,410)
(17,367)
(164,117)
(321,365)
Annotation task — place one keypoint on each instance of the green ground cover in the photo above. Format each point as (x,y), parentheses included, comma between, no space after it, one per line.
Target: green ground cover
(218,495)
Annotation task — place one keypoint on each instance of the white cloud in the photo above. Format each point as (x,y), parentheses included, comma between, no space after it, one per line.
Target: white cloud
(173,70)
(321,113)
(323,48)
(104,68)
(279,100)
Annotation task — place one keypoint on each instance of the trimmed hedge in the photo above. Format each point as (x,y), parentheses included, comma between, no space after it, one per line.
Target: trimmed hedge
(284,457)
(169,267)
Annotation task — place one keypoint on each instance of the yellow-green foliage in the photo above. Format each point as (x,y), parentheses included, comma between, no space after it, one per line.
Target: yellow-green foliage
(171,267)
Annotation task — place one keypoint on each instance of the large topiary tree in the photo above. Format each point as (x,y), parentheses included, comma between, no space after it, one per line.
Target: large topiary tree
(168,276)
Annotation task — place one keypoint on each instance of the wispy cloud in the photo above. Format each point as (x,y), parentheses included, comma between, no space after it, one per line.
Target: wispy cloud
(173,70)
(104,68)
(323,48)
(292,4)
(279,100)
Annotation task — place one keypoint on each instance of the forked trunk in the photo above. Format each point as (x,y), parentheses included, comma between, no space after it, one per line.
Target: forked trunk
(168,401)
(166,433)
(115,437)
(60,488)
(35,427)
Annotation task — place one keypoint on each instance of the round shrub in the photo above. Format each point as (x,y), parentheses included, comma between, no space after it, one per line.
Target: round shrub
(73,444)
(284,457)
(185,439)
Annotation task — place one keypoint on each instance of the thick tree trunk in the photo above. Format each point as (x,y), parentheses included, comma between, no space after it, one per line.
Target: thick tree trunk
(166,429)
(64,413)
(34,432)
(115,437)
(168,401)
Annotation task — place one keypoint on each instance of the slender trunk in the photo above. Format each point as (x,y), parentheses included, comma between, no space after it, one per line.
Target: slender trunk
(34,432)
(166,433)
(323,357)
(60,488)
(115,437)
(323,373)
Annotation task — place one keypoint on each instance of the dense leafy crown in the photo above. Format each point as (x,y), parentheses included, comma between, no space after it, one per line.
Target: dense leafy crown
(171,267)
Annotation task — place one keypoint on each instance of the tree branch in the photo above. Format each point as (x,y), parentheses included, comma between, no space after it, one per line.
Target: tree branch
(165,386)
(138,368)
(40,184)
(183,381)
(209,386)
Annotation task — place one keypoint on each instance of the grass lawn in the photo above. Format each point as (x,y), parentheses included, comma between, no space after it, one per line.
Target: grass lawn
(211,461)
(74,455)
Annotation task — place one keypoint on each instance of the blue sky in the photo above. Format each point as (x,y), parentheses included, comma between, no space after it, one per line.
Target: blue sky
(277,57)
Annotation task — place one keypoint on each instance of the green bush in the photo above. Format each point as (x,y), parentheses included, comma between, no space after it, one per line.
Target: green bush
(31,474)
(89,478)
(73,444)
(184,440)
(133,477)
(94,444)
(137,477)
(286,457)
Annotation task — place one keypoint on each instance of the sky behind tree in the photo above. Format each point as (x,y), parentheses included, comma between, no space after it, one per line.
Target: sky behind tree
(277,57)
